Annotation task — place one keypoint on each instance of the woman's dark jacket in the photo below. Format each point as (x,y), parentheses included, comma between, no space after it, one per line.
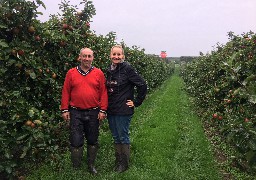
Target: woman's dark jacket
(121,83)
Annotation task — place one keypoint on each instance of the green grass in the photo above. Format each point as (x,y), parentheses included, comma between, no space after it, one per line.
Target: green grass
(167,142)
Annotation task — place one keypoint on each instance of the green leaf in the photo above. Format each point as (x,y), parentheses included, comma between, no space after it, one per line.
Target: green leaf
(39,13)
(31,113)
(250,155)
(11,62)
(3,27)
(25,150)
(22,137)
(2,122)
(248,79)
(32,75)
(252,144)
(252,99)
(7,155)
(16,93)
(252,131)
(3,44)
(8,170)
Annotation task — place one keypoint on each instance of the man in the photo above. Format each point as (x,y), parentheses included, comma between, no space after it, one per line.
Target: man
(84,102)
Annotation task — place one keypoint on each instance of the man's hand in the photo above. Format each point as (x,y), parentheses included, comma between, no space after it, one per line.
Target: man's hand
(101,116)
(66,116)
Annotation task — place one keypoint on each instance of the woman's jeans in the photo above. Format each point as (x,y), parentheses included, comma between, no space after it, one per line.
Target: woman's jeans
(119,126)
(84,123)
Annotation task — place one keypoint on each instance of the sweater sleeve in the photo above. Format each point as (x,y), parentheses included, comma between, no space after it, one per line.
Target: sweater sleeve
(140,84)
(66,90)
(103,93)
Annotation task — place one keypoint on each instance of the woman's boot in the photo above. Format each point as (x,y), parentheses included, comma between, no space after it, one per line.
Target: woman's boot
(126,156)
(118,156)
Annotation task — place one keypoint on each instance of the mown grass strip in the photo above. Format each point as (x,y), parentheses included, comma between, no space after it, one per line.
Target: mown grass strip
(167,142)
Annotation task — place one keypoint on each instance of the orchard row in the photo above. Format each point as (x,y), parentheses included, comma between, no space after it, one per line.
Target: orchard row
(34,59)
(223,84)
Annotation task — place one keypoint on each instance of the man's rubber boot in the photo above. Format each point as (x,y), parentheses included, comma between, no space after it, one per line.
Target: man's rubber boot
(91,156)
(76,156)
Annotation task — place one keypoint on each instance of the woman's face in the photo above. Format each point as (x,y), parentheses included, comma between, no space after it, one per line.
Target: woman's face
(116,55)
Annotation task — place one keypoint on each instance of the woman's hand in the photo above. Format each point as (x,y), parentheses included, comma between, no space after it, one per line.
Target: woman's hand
(130,103)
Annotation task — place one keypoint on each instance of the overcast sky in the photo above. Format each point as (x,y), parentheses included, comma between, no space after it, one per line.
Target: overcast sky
(179,27)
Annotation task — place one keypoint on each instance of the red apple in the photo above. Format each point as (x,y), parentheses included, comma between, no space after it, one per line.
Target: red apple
(37,38)
(21,52)
(64,26)
(246,120)
(62,43)
(15,31)
(215,115)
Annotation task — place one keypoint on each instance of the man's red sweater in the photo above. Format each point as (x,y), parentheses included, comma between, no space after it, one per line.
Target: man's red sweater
(84,90)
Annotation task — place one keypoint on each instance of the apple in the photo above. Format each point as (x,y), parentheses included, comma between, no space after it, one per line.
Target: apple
(21,52)
(27,72)
(54,75)
(8,15)
(28,123)
(18,8)
(216,90)
(80,13)
(31,29)
(33,125)
(19,65)
(62,43)
(13,52)
(37,38)
(64,26)
(220,117)
(38,122)
(15,30)
(215,115)
(70,28)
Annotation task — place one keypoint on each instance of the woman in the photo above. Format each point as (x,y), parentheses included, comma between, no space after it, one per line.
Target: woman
(121,80)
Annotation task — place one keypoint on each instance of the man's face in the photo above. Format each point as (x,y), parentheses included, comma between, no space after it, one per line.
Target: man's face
(116,55)
(86,58)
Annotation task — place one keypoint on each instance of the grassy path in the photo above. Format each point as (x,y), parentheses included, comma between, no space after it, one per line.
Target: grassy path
(167,142)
